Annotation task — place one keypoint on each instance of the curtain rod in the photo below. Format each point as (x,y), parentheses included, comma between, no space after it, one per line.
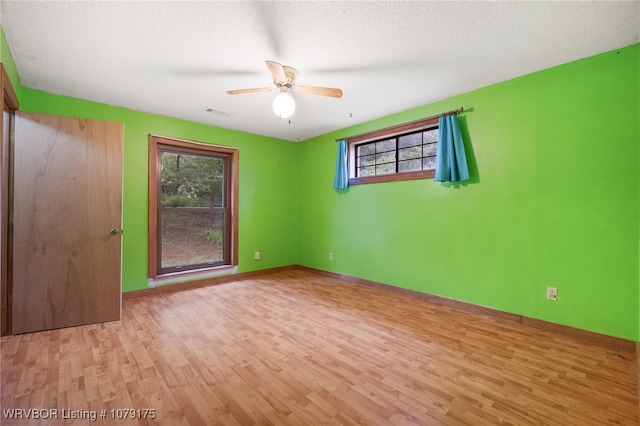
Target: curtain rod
(452,112)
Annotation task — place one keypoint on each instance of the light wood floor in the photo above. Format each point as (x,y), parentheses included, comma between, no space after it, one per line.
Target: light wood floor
(295,348)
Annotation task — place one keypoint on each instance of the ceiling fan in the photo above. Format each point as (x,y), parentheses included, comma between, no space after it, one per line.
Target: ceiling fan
(284,78)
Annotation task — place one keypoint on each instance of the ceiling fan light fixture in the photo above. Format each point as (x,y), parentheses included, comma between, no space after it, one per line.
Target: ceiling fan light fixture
(283,105)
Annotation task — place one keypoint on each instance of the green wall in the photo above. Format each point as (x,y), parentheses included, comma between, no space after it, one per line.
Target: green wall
(267,212)
(7,60)
(553,201)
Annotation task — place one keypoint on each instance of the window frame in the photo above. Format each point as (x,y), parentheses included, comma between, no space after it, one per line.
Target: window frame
(387,133)
(159,144)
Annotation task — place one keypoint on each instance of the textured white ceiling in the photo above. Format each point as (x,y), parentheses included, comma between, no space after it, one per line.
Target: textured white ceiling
(177,58)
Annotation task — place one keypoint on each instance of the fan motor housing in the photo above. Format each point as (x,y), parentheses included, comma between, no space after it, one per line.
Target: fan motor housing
(291,74)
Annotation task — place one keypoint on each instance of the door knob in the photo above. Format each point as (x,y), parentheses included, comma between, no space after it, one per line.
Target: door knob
(114,231)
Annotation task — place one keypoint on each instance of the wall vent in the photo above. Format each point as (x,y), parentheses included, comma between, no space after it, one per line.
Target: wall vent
(214,111)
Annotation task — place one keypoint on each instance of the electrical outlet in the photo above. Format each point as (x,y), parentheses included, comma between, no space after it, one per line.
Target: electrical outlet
(256,255)
(330,255)
(552,293)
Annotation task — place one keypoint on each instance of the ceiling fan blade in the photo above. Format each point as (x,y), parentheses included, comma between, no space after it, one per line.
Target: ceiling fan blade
(243,91)
(277,71)
(322,91)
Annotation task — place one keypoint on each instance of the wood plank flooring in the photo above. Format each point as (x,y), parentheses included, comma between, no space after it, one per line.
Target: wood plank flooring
(297,348)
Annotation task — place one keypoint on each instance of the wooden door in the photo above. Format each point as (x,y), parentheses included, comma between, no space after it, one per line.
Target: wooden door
(67,199)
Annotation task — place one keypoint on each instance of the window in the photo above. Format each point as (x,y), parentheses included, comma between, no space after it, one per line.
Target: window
(407,153)
(192,206)
(403,152)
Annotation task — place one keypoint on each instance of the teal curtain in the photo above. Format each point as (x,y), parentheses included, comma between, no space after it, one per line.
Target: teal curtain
(451,160)
(341,180)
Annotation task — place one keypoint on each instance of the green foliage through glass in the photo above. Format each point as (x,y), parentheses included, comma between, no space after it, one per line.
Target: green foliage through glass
(192,180)
(193,210)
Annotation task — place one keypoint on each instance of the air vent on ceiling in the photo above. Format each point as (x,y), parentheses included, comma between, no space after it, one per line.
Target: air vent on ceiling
(214,111)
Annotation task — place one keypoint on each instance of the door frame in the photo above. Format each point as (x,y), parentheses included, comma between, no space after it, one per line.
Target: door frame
(10,104)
